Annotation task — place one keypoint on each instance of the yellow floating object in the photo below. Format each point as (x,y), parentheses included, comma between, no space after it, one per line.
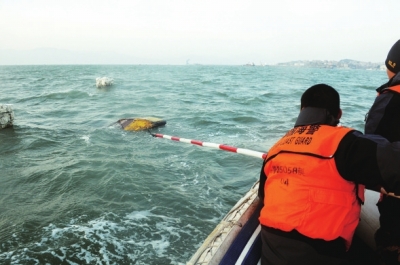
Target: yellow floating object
(139,124)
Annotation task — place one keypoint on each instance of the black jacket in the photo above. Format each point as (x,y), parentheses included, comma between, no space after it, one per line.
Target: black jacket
(384,116)
(384,119)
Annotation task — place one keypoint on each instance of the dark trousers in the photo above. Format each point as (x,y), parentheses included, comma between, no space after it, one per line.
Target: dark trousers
(387,237)
(287,248)
(389,209)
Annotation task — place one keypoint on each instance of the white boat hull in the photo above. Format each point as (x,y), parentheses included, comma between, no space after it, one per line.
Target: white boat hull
(369,221)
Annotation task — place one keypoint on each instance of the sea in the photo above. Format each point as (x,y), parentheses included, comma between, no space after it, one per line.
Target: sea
(77,189)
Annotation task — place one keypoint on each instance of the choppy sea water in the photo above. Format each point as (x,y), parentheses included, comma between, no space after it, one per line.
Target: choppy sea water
(75,190)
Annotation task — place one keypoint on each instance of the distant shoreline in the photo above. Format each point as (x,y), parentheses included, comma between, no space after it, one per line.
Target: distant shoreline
(325,64)
(344,64)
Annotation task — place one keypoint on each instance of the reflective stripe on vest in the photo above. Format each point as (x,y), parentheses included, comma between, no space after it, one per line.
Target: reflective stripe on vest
(304,190)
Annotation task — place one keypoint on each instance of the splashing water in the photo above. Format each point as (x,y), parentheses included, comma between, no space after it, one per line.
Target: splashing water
(104,81)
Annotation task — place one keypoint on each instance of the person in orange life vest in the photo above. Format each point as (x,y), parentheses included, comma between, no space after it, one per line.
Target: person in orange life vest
(383,118)
(311,183)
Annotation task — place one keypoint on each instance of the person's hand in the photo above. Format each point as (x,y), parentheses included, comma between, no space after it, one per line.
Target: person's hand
(389,194)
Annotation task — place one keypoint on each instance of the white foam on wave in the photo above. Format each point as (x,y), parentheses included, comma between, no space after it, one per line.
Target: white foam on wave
(86,138)
(138,237)
(98,232)
(104,81)
(137,215)
(160,246)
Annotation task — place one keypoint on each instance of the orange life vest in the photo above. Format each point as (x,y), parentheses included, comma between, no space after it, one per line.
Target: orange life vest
(304,190)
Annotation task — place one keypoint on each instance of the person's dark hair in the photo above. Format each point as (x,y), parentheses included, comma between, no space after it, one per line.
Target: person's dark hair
(322,96)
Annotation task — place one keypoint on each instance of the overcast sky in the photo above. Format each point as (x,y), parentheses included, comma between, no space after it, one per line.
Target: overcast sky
(201,31)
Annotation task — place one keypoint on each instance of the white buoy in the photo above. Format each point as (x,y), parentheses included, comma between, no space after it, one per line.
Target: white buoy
(6,116)
(104,81)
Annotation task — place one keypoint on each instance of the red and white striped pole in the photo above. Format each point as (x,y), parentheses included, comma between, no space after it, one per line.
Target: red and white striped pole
(213,145)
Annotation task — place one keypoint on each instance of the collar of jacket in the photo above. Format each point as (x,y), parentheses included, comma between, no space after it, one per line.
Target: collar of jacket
(394,81)
(312,116)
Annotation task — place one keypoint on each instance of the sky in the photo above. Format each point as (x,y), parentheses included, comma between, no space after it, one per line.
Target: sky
(196,32)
